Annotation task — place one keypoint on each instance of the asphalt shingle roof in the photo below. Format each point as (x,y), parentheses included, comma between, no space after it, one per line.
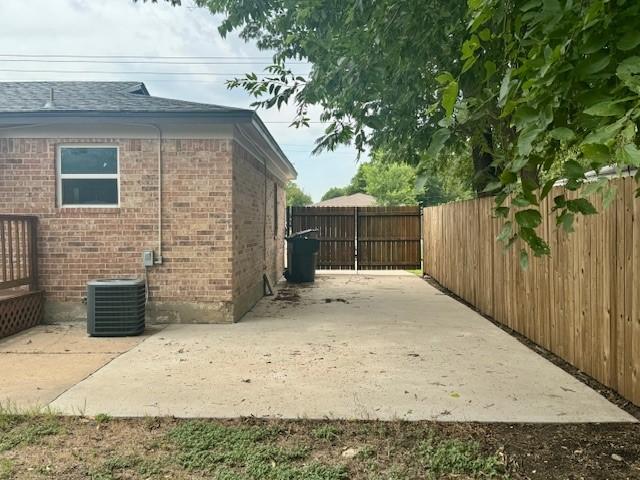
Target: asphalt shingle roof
(30,97)
(355,200)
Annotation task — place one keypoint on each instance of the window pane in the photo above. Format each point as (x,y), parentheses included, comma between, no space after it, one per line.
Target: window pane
(89,160)
(89,192)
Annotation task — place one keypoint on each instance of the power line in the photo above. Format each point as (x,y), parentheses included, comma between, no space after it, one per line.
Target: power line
(139,62)
(158,57)
(323,152)
(102,72)
(294,144)
(152,80)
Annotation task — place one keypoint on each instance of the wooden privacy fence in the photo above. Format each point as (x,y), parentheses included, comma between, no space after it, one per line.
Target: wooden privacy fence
(20,298)
(363,238)
(582,302)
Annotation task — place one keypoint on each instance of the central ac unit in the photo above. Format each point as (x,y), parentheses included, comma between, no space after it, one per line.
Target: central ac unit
(116,307)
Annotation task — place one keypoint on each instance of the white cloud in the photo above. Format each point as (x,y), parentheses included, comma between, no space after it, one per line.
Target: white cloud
(122,27)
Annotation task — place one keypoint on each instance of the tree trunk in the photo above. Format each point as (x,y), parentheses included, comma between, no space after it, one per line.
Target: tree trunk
(482,155)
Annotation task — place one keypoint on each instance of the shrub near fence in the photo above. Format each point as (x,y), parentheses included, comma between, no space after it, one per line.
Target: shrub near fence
(582,302)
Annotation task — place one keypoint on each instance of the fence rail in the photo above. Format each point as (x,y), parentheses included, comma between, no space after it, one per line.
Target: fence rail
(582,302)
(18,251)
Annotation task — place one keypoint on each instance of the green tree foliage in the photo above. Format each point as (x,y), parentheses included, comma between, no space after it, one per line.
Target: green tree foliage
(396,183)
(430,191)
(296,196)
(390,183)
(334,192)
(446,178)
(358,182)
(373,63)
(561,95)
(426,185)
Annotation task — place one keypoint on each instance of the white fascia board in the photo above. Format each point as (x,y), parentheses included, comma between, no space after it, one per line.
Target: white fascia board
(114,127)
(268,139)
(248,139)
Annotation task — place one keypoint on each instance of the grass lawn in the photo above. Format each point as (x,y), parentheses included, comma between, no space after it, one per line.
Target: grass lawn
(417,272)
(102,448)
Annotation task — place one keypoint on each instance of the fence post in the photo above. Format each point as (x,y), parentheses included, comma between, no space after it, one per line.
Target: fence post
(355,239)
(33,227)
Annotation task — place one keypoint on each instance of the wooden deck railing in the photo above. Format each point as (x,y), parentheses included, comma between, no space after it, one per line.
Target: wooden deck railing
(21,300)
(18,251)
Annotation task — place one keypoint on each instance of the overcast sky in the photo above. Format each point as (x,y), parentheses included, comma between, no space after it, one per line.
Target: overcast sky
(121,27)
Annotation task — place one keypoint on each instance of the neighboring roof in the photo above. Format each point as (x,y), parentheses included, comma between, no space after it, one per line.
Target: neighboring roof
(355,200)
(608,172)
(101,99)
(30,97)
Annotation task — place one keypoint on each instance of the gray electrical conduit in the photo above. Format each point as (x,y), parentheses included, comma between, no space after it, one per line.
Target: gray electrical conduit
(158,260)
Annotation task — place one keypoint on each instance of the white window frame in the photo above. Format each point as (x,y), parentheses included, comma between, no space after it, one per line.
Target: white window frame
(86,176)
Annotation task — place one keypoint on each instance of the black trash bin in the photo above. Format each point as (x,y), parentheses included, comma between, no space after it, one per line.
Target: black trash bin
(302,254)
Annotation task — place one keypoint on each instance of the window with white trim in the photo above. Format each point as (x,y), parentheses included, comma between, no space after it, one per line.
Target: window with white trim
(88,176)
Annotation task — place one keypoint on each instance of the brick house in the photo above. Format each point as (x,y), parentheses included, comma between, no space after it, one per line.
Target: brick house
(112,172)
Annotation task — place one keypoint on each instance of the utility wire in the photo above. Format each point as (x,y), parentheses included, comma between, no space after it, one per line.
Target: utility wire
(159,57)
(217,82)
(141,62)
(101,72)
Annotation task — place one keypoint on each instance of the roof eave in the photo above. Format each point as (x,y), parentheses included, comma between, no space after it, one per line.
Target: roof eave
(259,125)
(232,116)
(226,115)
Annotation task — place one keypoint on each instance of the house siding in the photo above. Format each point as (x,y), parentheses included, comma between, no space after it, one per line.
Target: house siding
(194,282)
(252,211)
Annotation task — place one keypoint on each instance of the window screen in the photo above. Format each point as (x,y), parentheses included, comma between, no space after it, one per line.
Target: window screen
(88,176)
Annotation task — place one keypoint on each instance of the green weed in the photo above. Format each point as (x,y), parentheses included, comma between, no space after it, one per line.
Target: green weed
(101,418)
(6,469)
(443,457)
(118,466)
(326,432)
(18,430)
(365,453)
(418,272)
(394,473)
(231,453)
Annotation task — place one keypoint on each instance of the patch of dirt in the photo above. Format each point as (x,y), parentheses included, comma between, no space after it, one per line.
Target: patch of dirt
(331,300)
(143,448)
(287,295)
(611,395)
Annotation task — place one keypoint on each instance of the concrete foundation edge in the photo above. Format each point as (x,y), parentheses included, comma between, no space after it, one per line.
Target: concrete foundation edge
(246,301)
(157,312)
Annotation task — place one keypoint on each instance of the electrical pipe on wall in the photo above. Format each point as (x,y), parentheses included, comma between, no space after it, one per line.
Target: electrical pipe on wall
(158,260)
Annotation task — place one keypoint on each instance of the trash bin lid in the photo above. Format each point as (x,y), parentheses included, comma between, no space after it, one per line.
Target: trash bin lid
(302,234)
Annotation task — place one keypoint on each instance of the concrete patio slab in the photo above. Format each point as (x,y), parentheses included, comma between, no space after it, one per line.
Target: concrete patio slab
(350,346)
(39,364)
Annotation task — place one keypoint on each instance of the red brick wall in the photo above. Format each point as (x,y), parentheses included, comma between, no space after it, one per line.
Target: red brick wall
(249,236)
(193,283)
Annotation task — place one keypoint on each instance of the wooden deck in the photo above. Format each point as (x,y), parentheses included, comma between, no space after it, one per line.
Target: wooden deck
(21,299)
